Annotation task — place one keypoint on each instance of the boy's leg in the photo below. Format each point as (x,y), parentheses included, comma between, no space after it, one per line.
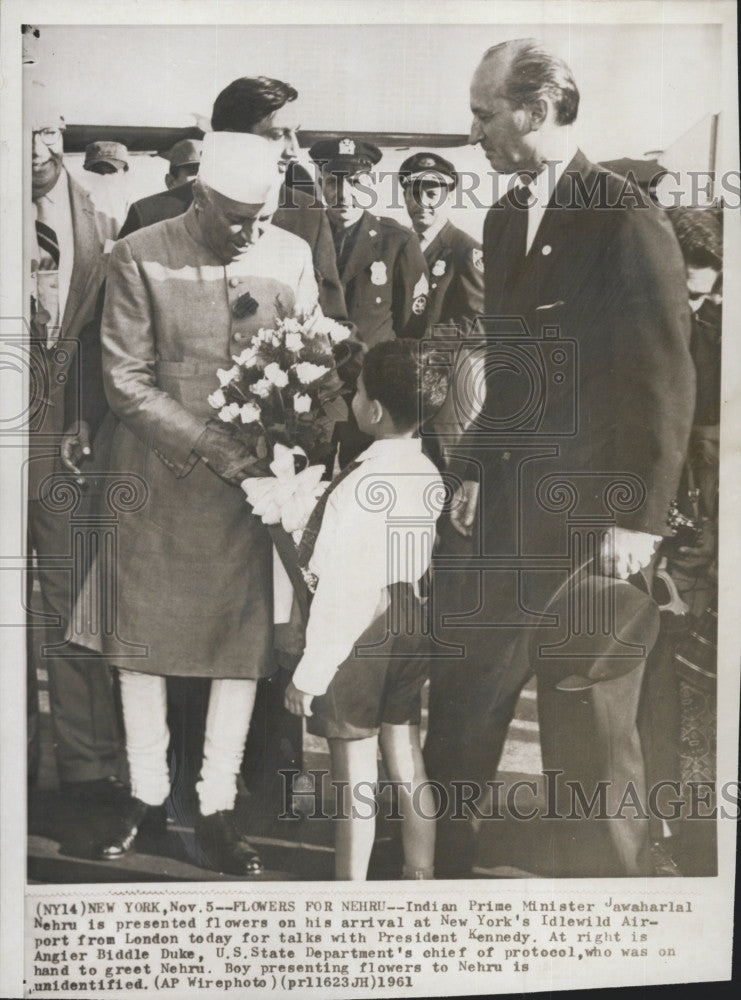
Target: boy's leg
(353,762)
(402,757)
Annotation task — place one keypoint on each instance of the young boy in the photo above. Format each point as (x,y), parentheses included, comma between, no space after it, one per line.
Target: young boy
(362,670)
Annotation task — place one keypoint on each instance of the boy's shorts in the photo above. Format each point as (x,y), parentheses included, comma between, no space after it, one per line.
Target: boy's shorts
(382,679)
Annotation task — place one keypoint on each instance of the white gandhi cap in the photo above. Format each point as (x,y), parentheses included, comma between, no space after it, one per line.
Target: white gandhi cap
(241,166)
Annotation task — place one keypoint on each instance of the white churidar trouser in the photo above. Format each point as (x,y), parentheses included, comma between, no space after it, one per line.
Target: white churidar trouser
(230,704)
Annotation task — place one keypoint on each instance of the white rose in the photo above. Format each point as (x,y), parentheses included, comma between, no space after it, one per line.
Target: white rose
(302,403)
(226,377)
(275,374)
(308,372)
(294,342)
(217,399)
(291,325)
(229,413)
(330,328)
(249,413)
(338,332)
(247,358)
(262,388)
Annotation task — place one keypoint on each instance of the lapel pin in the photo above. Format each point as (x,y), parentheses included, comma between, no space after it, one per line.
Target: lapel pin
(546,249)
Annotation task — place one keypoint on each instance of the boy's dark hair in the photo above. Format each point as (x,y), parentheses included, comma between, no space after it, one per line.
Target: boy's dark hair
(700,235)
(247,100)
(402,375)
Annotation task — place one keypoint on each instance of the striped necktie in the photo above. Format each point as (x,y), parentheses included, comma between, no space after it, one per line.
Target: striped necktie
(46,236)
(47,276)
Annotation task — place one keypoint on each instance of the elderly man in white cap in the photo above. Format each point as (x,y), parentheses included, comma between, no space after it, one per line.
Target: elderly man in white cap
(194,569)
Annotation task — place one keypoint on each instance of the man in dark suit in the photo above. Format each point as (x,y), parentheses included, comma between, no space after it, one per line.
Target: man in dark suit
(67,271)
(580,442)
(261,106)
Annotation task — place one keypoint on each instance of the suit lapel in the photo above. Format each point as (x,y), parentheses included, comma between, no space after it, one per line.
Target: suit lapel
(551,240)
(439,244)
(86,245)
(366,249)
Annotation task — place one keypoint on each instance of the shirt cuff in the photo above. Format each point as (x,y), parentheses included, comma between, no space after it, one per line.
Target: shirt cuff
(315,672)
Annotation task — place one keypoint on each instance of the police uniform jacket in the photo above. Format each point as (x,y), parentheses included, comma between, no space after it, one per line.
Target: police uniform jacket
(384,278)
(194,565)
(456,266)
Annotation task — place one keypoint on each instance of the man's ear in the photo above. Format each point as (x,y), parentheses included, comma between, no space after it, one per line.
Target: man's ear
(169,181)
(538,113)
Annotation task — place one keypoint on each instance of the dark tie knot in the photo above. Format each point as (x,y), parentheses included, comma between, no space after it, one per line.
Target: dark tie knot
(522,194)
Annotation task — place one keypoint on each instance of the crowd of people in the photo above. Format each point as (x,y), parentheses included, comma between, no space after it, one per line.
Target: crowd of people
(544,380)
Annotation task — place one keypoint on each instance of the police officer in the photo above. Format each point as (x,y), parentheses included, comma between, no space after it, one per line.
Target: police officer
(454,258)
(381,267)
(456,268)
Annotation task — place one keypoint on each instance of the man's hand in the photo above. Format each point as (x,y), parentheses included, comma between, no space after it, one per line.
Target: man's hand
(74,447)
(296,701)
(227,456)
(626,552)
(463,507)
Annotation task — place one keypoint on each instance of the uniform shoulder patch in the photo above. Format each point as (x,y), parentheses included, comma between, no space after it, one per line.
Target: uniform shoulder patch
(477,256)
(422,287)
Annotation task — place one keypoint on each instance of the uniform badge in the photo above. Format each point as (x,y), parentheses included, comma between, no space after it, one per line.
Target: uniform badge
(378,273)
(427,161)
(419,305)
(347,147)
(478,259)
(439,268)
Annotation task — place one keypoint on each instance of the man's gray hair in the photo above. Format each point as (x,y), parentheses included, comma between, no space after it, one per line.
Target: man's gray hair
(534,72)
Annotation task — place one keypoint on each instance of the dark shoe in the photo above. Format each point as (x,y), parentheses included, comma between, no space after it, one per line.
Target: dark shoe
(134,817)
(663,860)
(225,846)
(103,791)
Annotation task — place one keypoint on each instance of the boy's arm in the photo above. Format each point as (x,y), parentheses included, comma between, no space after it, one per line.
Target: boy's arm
(346,597)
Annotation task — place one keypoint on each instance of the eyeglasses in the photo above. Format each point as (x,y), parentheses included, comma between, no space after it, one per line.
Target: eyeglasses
(49,135)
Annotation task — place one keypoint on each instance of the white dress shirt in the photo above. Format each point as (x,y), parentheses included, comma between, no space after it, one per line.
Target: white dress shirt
(378,529)
(58,213)
(541,187)
(429,234)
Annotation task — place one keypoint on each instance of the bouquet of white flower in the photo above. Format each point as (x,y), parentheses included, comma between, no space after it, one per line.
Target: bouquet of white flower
(283,396)
(284,389)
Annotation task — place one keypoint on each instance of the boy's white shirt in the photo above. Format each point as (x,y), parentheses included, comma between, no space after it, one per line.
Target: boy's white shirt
(351,555)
